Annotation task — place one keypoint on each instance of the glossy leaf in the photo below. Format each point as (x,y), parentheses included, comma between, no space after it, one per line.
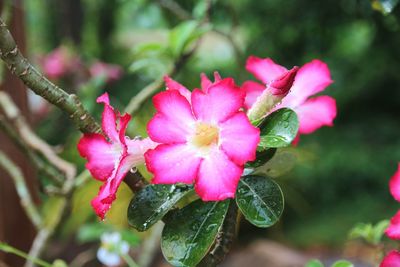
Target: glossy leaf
(190,232)
(262,157)
(278,129)
(260,200)
(152,203)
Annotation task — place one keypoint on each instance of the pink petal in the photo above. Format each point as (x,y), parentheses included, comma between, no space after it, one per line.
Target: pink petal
(109,120)
(394,184)
(239,138)
(107,193)
(206,83)
(218,177)
(222,100)
(137,148)
(174,120)
(266,70)
(393,231)
(392,259)
(311,79)
(100,154)
(174,85)
(123,124)
(172,164)
(253,90)
(315,113)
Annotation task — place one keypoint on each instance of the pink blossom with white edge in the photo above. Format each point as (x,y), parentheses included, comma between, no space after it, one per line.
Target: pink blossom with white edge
(59,62)
(311,78)
(110,159)
(392,259)
(110,72)
(393,230)
(205,138)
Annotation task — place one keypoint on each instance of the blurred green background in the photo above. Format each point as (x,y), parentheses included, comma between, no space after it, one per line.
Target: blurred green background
(340,174)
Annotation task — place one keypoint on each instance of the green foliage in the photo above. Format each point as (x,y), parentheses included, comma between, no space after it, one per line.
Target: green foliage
(92,232)
(189,233)
(339,263)
(156,59)
(370,233)
(343,263)
(260,200)
(314,263)
(183,35)
(278,129)
(262,157)
(151,204)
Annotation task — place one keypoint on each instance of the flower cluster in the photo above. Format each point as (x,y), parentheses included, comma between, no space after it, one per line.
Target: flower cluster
(205,136)
(392,259)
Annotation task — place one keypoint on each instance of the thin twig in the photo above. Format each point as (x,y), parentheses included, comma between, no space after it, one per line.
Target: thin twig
(26,200)
(9,249)
(37,246)
(39,84)
(31,139)
(175,8)
(35,159)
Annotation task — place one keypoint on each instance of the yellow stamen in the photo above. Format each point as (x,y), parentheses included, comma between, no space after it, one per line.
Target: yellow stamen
(205,135)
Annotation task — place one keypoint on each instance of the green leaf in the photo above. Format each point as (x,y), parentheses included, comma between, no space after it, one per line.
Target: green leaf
(282,162)
(314,263)
(371,234)
(278,129)
(262,157)
(260,200)
(342,263)
(59,263)
(152,203)
(379,230)
(183,35)
(190,232)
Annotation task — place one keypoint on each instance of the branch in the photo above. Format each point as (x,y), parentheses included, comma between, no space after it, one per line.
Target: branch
(26,200)
(20,66)
(224,240)
(33,141)
(37,161)
(39,84)
(175,8)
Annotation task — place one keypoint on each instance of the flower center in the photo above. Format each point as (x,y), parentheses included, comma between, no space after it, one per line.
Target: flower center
(205,135)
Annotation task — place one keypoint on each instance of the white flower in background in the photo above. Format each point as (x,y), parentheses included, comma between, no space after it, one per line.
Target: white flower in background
(111,249)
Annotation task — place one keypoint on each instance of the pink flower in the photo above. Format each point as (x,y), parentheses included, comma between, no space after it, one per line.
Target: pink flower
(205,138)
(310,79)
(59,62)
(393,230)
(110,159)
(392,259)
(110,72)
